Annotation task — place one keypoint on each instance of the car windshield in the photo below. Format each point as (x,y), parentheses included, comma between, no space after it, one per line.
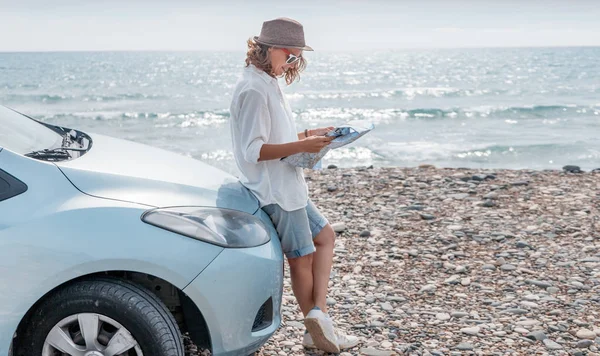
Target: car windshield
(22,135)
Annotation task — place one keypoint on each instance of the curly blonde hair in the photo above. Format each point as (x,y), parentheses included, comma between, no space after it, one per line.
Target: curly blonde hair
(258,55)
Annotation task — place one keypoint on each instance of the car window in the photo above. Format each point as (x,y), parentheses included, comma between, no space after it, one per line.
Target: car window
(22,135)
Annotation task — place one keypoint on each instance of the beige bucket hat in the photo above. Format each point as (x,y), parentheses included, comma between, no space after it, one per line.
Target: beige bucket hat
(283,32)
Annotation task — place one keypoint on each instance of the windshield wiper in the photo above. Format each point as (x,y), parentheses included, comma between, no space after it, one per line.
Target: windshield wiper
(71,141)
(54,154)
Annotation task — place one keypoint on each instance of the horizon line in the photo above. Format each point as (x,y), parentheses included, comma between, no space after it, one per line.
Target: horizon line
(316,50)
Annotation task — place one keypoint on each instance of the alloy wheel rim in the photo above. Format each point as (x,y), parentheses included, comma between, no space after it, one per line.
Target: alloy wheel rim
(90,334)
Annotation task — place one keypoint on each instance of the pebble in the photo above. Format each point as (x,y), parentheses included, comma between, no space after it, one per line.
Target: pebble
(491,196)
(555,312)
(508,267)
(572,169)
(386,345)
(541,284)
(489,204)
(465,346)
(295,324)
(396,299)
(338,227)
(365,233)
(427,288)
(459,196)
(517,311)
(461,269)
(551,345)
(578,285)
(529,304)
(387,307)
(522,244)
(459,315)
(537,335)
(442,316)
(586,334)
(471,331)
(524,339)
(374,352)
(584,344)
(527,322)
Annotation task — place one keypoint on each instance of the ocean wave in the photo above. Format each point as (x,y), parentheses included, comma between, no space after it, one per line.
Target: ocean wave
(521,148)
(35,98)
(419,150)
(160,119)
(342,156)
(407,93)
(56,98)
(551,114)
(542,154)
(119,97)
(20,85)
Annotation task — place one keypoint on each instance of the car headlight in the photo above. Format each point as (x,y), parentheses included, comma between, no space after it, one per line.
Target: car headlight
(222,227)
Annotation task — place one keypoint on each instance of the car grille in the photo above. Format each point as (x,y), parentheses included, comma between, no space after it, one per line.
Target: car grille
(264,316)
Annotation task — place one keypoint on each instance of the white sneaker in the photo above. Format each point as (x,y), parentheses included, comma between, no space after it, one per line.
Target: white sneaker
(344,341)
(322,332)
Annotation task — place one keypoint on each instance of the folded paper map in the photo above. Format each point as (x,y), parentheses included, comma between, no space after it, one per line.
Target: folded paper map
(344,135)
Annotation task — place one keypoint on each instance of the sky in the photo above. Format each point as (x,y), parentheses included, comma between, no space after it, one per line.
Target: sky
(330,25)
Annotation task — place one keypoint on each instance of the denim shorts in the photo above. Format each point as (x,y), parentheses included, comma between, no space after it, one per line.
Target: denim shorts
(297,228)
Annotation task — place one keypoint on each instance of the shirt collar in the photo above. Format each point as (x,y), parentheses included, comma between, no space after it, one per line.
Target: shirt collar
(261,73)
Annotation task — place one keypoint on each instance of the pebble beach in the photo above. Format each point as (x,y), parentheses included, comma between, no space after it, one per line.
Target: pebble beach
(433,261)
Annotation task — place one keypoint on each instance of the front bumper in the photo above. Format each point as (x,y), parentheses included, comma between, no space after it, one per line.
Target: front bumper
(231,291)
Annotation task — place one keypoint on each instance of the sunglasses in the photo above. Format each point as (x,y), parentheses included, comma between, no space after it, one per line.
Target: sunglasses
(292,58)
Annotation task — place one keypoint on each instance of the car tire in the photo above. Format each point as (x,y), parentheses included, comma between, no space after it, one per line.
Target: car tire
(137,309)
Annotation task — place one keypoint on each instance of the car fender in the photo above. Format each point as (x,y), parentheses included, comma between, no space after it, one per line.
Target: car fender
(53,233)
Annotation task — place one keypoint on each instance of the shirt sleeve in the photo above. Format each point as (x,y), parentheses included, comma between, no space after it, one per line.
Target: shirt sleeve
(254,123)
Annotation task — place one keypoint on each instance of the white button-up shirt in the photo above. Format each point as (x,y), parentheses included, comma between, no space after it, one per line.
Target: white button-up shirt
(261,114)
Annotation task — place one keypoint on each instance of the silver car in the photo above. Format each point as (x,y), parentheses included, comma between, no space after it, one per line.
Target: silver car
(109,247)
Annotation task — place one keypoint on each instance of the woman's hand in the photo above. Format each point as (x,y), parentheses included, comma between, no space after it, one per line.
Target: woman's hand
(321,131)
(314,144)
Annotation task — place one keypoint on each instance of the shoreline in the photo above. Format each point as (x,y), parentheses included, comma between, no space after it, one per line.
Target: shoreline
(478,169)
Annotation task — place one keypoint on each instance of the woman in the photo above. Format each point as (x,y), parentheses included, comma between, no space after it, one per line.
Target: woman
(263,131)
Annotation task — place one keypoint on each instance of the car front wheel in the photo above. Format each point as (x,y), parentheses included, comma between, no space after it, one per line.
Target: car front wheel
(101,317)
